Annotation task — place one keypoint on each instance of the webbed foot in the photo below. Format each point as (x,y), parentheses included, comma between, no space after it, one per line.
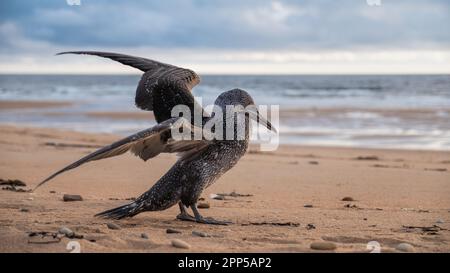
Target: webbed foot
(184,215)
(207,220)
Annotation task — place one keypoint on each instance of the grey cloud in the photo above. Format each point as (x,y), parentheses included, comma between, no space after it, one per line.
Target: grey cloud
(252,24)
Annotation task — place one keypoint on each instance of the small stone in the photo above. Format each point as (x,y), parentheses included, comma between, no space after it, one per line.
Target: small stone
(77,236)
(24,210)
(112,226)
(52,191)
(66,231)
(72,197)
(91,238)
(310,226)
(348,198)
(369,157)
(439,221)
(216,196)
(308,206)
(171,230)
(199,233)
(405,247)
(313,162)
(144,236)
(203,205)
(323,246)
(180,244)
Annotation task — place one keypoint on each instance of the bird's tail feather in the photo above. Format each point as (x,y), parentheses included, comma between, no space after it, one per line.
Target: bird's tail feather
(128,210)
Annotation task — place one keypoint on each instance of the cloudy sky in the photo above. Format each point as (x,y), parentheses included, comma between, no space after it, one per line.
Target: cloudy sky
(216,37)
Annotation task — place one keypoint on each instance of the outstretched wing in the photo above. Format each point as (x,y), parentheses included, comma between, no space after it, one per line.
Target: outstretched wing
(162,86)
(145,144)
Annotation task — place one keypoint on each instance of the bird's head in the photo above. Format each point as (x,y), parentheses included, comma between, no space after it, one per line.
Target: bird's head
(234,97)
(242,100)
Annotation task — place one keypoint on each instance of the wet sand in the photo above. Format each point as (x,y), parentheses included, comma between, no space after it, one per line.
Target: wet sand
(11,105)
(138,115)
(296,198)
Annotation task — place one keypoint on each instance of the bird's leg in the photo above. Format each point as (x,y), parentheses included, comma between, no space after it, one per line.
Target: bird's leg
(207,220)
(184,215)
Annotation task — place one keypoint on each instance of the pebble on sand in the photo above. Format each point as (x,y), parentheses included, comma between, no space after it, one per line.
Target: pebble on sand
(216,196)
(66,231)
(199,233)
(308,206)
(24,210)
(180,244)
(144,236)
(112,226)
(368,157)
(405,247)
(171,230)
(203,205)
(323,246)
(348,198)
(72,197)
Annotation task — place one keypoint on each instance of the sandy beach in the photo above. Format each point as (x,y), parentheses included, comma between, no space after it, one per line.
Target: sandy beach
(354,95)
(295,198)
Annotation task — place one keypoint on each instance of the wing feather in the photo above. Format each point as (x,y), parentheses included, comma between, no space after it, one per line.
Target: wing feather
(145,144)
(157,78)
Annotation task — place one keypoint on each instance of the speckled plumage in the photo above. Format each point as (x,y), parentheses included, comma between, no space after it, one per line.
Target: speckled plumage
(187,179)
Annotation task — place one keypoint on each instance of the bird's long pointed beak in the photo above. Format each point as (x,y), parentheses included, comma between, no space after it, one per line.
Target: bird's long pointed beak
(256,116)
